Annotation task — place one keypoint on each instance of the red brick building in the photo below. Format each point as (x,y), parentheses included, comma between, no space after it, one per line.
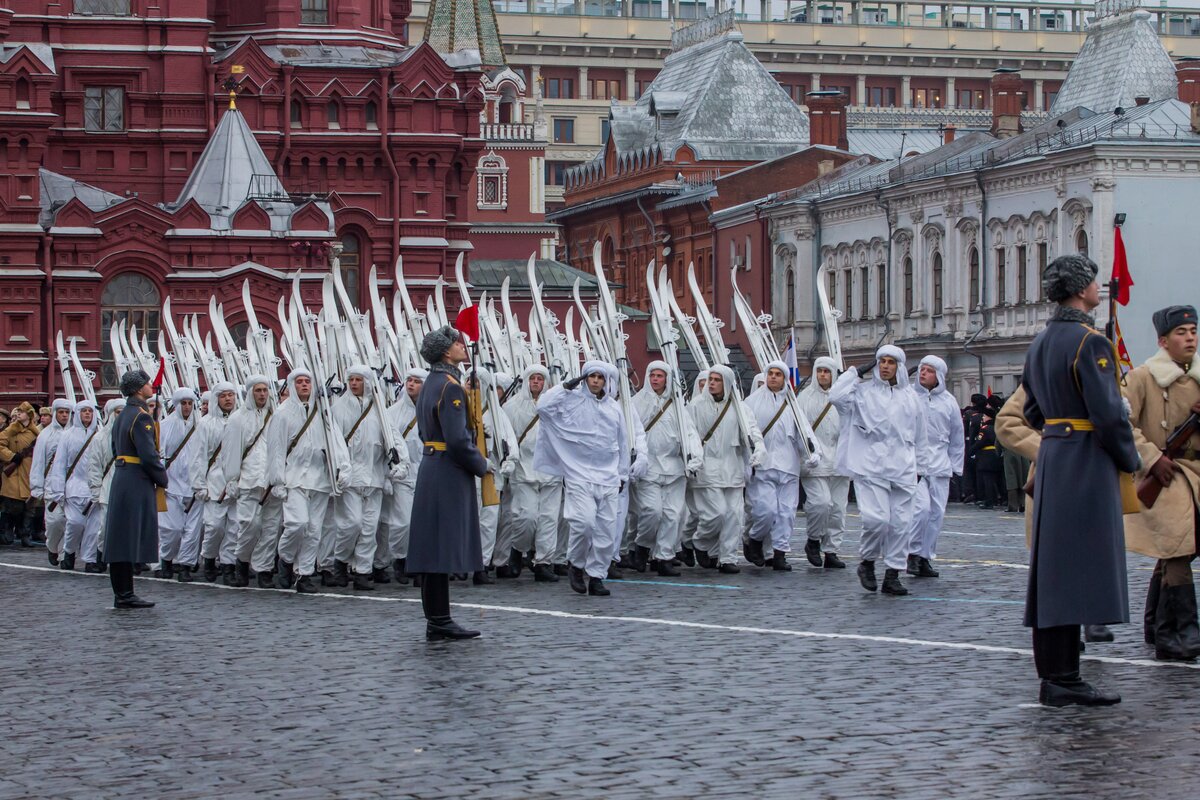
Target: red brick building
(127,179)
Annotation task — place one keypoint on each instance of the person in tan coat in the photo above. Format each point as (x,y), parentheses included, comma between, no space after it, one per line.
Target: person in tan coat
(1162,393)
(16,454)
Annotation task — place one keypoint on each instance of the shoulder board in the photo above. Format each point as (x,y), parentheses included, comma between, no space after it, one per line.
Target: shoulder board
(452,379)
(1090,329)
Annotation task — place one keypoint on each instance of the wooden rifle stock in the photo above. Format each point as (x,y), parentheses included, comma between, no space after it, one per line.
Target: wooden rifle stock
(1149,487)
(12,466)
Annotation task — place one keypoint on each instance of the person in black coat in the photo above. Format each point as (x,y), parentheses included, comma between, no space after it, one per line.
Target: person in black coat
(131,527)
(988,466)
(972,415)
(1077,553)
(445,532)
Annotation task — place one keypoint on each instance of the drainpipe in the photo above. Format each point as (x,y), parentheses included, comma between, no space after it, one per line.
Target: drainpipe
(983,271)
(48,314)
(653,233)
(384,127)
(286,150)
(887,269)
(210,115)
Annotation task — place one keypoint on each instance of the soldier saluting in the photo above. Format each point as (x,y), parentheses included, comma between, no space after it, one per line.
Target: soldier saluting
(131,528)
(1077,556)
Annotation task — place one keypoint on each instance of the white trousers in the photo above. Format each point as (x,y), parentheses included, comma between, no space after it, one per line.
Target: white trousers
(623,531)
(658,507)
(220,531)
(773,496)
(80,533)
(304,513)
(825,510)
(56,527)
(327,537)
(719,514)
(529,517)
(886,509)
(356,518)
(688,537)
(397,520)
(179,530)
(563,532)
(257,530)
(489,521)
(929,511)
(591,514)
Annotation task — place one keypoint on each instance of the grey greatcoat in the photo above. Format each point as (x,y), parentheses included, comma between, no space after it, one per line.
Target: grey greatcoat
(445,517)
(1077,557)
(131,527)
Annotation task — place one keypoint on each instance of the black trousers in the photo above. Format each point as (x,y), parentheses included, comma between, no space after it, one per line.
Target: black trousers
(120,575)
(1056,653)
(435,596)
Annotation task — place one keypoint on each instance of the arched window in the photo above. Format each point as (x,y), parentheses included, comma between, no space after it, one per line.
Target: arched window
(333,115)
(372,116)
(133,299)
(350,261)
(937,284)
(881,309)
(1001,276)
(833,287)
(239,331)
(1081,242)
(297,112)
(1022,267)
(23,92)
(790,295)
(908,285)
(973,262)
(864,291)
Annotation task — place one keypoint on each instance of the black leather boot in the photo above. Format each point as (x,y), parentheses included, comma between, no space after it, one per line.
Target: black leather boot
(210,569)
(687,555)
(242,574)
(165,570)
(67,562)
(544,573)
(578,579)
(729,569)
(1152,603)
(753,551)
(482,578)
(53,558)
(640,557)
(780,563)
(561,570)
(866,576)
(264,580)
(833,562)
(515,557)
(438,629)
(911,568)
(1182,602)
(285,575)
(92,568)
(380,575)
(596,588)
(925,569)
(1168,644)
(892,584)
(705,560)
(1077,692)
(362,583)
(229,574)
(1097,633)
(614,572)
(341,573)
(306,586)
(183,573)
(666,570)
(398,571)
(812,551)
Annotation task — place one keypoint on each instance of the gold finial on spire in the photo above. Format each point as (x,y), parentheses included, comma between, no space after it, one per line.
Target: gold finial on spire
(231,84)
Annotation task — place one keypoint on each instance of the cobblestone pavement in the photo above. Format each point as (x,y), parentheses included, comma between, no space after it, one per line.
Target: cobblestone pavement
(761,684)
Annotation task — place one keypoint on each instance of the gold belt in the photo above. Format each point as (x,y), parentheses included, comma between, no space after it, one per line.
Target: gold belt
(129,459)
(990,447)
(1077,424)
(439,446)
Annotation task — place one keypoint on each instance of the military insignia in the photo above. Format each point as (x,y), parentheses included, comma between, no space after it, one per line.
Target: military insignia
(149,427)
(1103,362)
(457,403)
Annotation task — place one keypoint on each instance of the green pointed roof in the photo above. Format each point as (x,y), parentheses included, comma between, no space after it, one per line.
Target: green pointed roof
(465,31)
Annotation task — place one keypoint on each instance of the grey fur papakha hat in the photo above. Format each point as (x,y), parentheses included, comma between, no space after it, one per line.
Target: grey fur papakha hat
(1067,276)
(436,343)
(132,381)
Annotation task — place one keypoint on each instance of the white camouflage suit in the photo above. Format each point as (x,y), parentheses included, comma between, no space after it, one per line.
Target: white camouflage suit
(298,455)
(826,491)
(100,463)
(247,466)
(658,497)
(179,526)
(397,509)
(208,481)
(532,500)
(882,430)
(71,491)
(717,487)
(937,461)
(45,451)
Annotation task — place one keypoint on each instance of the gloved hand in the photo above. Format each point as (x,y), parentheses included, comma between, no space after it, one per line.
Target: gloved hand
(18,457)
(507,467)
(1164,470)
(388,489)
(571,384)
(694,464)
(201,494)
(813,460)
(343,481)
(865,369)
(398,472)
(35,496)
(279,492)
(231,490)
(756,458)
(639,468)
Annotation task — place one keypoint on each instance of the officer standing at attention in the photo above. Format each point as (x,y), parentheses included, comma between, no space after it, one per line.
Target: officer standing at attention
(137,493)
(446,539)
(1077,556)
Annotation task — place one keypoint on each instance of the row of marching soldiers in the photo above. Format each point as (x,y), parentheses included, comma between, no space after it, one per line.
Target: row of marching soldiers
(251,500)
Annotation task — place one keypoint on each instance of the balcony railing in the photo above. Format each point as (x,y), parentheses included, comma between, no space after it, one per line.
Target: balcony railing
(880,117)
(507,131)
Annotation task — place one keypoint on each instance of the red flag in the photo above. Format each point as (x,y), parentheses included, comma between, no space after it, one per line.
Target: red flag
(467,322)
(1122,350)
(162,369)
(1120,272)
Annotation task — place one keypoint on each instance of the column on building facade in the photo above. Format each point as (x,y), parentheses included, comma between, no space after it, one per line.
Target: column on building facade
(917,252)
(860,92)
(951,96)
(1039,87)
(816,82)
(630,83)
(585,91)
(906,92)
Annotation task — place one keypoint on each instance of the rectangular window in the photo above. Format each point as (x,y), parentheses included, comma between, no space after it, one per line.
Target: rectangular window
(926,98)
(560,88)
(1022,267)
(564,131)
(604,129)
(1001,278)
(104,108)
(1043,254)
(971,98)
(882,97)
(605,89)
(881,290)
(314,12)
(556,172)
(110,8)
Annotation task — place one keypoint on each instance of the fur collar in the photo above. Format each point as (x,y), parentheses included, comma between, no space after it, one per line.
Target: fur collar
(1165,371)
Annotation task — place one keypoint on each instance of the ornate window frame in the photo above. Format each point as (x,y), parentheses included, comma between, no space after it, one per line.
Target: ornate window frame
(492,183)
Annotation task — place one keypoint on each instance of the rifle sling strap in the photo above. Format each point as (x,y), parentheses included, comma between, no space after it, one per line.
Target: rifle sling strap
(292,444)
(182,445)
(661,411)
(79,455)
(258,435)
(821,417)
(357,422)
(409,427)
(774,419)
(715,425)
(528,428)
